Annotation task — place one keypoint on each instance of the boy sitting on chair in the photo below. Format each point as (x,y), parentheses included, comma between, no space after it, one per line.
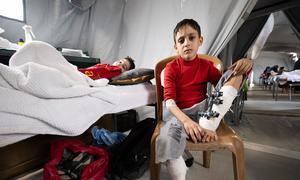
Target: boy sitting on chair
(185,88)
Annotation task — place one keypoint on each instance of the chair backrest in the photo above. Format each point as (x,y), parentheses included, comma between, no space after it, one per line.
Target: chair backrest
(161,65)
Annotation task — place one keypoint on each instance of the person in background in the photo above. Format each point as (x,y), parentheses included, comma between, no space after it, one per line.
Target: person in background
(280,71)
(297,65)
(185,89)
(274,70)
(109,71)
(267,71)
(264,76)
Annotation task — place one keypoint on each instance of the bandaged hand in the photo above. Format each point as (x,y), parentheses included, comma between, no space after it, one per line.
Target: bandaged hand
(242,66)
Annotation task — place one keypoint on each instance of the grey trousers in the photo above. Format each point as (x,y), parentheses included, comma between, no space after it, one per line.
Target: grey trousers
(171,142)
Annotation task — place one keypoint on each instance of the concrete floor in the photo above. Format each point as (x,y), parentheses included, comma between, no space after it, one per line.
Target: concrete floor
(271,132)
(259,166)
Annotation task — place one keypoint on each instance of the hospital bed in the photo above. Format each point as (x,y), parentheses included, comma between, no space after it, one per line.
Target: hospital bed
(23,152)
(289,80)
(31,153)
(288,84)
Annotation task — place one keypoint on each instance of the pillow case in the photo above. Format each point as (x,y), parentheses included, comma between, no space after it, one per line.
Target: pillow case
(133,76)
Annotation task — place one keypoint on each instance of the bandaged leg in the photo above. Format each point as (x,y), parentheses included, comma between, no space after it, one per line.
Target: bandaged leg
(177,168)
(229,94)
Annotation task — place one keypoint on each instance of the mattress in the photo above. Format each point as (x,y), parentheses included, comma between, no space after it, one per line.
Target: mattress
(129,97)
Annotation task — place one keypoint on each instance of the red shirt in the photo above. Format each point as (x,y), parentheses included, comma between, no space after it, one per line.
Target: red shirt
(101,71)
(186,81)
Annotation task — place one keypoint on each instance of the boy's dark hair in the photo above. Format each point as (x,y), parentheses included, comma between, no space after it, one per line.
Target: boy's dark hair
(131,62)
(184,22)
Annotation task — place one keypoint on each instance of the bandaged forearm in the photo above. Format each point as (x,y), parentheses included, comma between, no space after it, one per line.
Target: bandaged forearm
(170,103)
(229,94)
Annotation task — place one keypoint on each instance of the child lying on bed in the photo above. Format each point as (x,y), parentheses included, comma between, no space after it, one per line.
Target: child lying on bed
(109,71)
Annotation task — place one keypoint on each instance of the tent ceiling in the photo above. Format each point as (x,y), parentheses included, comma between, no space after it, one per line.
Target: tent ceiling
(283,38)
(284,35)
(265,7)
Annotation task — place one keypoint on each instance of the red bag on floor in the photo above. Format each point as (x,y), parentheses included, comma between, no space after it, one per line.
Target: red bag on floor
(72,158)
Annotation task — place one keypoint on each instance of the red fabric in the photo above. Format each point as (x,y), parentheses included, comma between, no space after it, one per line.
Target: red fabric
(101,71)
(186,81)
(95,170)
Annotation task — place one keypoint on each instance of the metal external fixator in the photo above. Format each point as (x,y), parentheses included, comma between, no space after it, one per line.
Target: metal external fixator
(213,98)
(208,114)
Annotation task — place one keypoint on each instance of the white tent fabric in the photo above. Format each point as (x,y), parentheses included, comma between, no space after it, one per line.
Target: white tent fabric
(236,14)
(148,25)
(96,30)
(261,39)
(141,29)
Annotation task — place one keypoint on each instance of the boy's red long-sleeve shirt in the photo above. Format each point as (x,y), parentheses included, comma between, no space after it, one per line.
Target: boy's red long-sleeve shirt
(101,71)
(186,81)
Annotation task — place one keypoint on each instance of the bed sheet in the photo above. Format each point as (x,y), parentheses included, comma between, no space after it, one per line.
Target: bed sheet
(293,76)
(42,93)
(81,115)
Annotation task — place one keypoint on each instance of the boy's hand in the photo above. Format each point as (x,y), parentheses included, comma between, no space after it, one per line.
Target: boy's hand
(193,130)
(242,66)
(209,136)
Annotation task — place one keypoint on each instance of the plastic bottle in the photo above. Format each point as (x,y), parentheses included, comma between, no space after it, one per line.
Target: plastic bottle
(29,36)
(20,42)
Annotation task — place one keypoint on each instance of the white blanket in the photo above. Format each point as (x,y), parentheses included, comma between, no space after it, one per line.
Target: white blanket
(293,76)
(41,93)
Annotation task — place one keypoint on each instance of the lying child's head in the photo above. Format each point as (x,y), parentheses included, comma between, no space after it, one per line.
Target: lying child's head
(187,38)
(126,63)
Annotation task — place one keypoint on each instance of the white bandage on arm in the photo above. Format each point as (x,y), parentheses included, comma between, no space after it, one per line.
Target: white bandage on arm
(170,103)
(229,94)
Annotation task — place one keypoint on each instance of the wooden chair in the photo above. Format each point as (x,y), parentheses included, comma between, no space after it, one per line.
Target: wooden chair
(227,138)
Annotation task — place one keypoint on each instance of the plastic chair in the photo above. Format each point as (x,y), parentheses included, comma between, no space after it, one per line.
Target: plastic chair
(227,138)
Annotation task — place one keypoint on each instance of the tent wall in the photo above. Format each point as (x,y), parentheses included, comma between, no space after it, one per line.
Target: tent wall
(13,29)
(148,25)
(117,28)
(96,30)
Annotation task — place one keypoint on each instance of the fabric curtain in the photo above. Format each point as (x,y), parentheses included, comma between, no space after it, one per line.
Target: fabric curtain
(226,55)
(96,29)
(147,33)
(261,39)
(235,16)
(111,29)
(255,50)
(242,40)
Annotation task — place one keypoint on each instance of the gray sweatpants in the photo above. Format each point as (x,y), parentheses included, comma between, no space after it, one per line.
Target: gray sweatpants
(171,142)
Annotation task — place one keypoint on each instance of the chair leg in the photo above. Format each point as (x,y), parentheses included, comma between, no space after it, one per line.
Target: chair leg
(238,158)
(154,171)
(154,168)
(206,158)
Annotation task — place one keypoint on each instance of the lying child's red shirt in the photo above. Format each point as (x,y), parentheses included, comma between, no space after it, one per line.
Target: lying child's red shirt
(101,71)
